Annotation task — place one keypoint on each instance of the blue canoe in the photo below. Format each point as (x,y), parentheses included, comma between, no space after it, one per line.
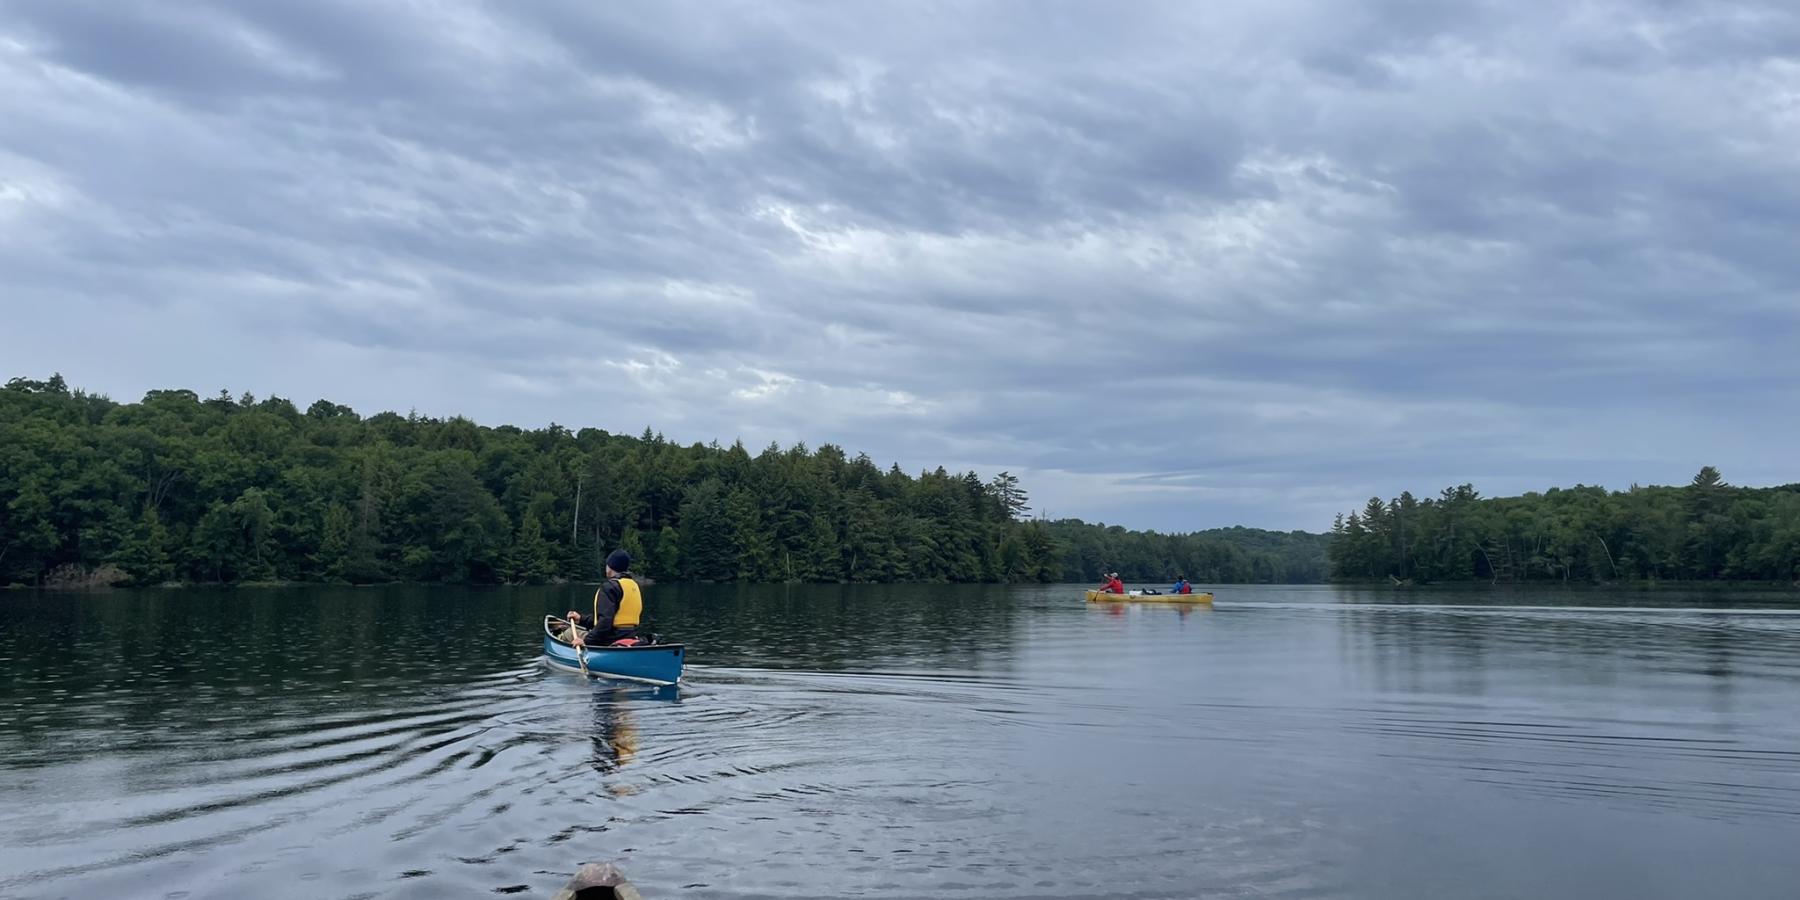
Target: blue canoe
(648,663)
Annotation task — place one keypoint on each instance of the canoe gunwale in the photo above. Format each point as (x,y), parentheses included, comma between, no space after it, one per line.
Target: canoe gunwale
(609,648)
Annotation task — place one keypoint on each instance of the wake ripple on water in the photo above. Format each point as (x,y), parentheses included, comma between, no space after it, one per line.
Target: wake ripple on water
(168,807)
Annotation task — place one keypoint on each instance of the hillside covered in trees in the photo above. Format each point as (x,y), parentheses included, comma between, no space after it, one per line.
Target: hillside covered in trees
(224,490)
(1707,530)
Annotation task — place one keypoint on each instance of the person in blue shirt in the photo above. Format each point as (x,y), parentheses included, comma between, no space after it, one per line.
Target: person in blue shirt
(1181,586)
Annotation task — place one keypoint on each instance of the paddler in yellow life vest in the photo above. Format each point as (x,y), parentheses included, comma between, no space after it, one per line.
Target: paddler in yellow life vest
(618,605)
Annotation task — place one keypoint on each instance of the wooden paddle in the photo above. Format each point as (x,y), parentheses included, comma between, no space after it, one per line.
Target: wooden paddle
(574,641)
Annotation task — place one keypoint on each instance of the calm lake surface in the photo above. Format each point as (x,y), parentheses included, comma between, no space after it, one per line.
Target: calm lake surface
(905,742)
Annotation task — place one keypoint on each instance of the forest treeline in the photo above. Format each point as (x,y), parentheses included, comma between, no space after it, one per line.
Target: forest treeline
(1706,530)
(176,488)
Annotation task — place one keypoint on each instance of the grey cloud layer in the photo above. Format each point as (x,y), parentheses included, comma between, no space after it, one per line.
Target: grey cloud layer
(1190,265)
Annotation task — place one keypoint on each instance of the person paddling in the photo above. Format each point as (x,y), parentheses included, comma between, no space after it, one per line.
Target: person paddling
(1113,585)
(618,605)
(1182,586)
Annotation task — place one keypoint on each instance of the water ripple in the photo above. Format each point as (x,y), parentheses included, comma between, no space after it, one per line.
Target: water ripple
(1281,747)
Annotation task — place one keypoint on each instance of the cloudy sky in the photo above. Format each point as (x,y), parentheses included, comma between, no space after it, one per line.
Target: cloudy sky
(1177,265)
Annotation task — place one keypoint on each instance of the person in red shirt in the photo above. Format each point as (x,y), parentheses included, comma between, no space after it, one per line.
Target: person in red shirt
(1113,585)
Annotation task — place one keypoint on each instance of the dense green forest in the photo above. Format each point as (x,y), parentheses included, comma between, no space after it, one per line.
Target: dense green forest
(1704,531)
(225,490)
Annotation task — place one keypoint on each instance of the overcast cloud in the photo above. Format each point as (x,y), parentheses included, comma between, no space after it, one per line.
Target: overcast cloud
(1177,265)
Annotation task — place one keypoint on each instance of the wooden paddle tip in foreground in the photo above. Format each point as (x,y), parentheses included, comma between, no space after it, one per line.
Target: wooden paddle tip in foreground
(598,881)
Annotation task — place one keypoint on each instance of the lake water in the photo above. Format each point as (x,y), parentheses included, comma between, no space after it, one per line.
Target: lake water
(910,741)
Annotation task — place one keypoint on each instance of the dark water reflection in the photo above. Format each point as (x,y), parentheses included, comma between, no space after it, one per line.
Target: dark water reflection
(905,742)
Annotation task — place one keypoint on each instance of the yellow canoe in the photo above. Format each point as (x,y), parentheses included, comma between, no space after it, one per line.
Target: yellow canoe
(1201,597)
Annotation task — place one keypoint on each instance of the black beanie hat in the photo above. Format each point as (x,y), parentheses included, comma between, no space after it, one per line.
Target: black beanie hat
(618,561)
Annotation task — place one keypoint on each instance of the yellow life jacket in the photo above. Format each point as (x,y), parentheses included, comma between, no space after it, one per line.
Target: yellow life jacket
(631,603)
